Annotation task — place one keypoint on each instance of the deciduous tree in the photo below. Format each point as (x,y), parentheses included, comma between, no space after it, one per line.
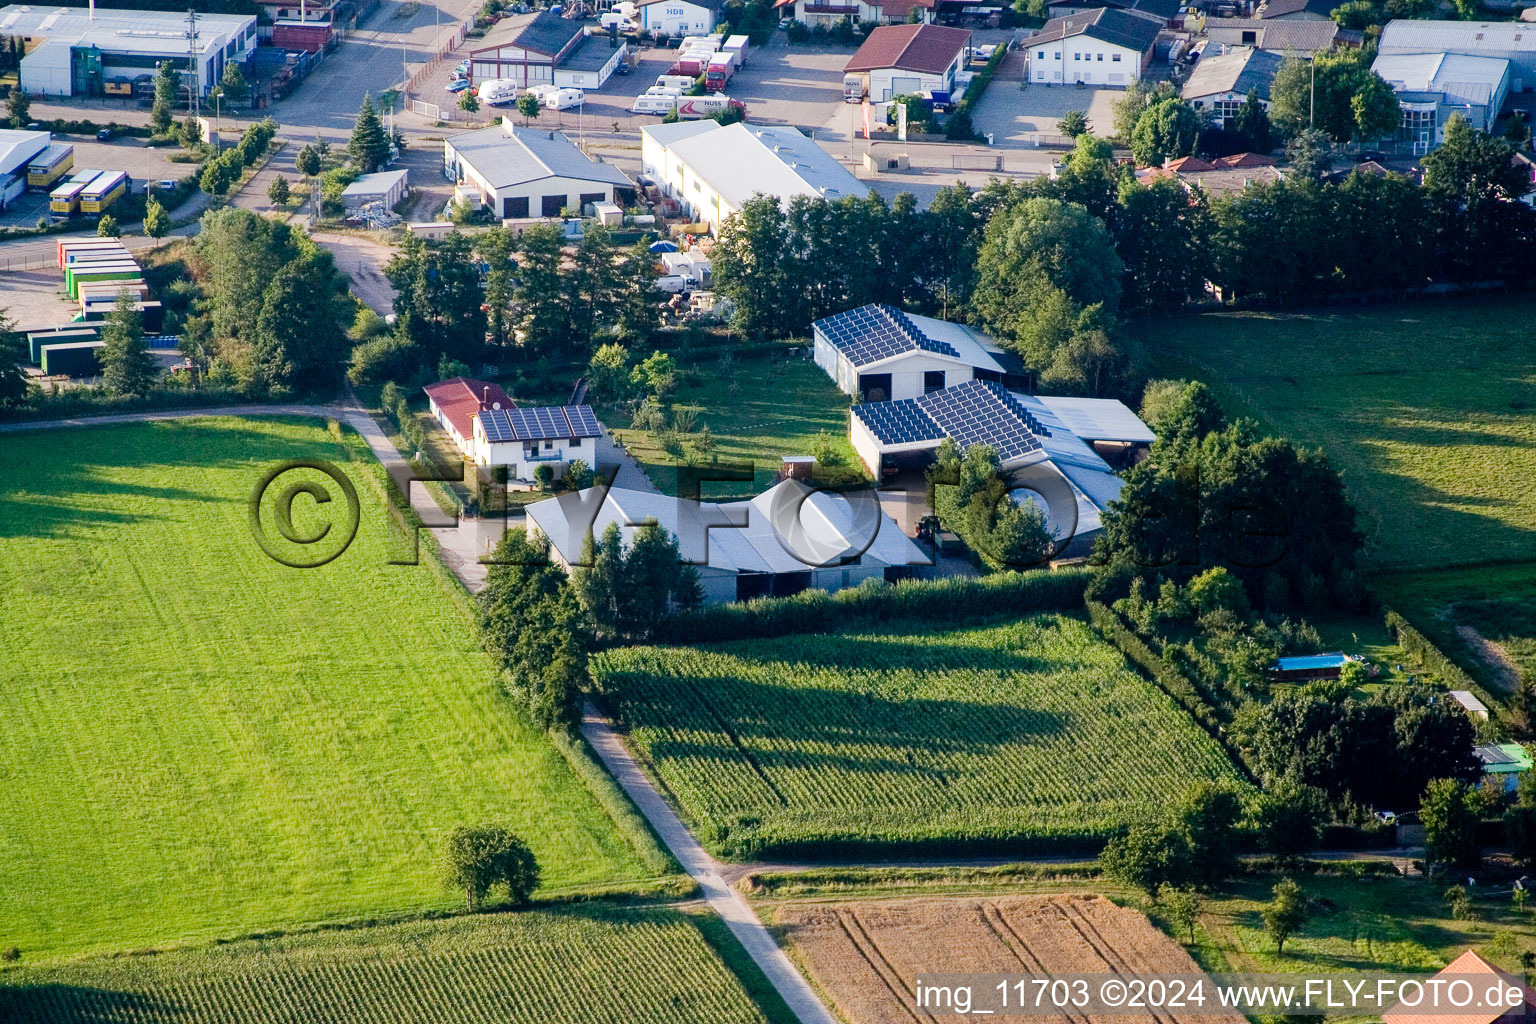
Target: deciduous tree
(479,859)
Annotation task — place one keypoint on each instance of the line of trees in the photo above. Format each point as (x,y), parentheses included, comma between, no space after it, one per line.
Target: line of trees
(1050,265)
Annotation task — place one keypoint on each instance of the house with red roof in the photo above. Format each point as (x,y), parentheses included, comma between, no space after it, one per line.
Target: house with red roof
(1481,977)
(490,429)
(908,60)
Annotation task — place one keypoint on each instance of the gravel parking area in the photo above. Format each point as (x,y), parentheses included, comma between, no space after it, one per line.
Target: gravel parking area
(1014,115)
(35,299)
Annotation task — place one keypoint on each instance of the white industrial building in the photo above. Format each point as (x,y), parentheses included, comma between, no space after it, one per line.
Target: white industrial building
(880,353)
(529,172)
(1047,446)
(547,50)
(385,187)
(1099,47)
(491,430)
(76,51)
(907,60)
(788,539)
(1431,87)
(1510,40)
(1220,85)
(17,151)
(679,17)
(1276,35)
(712,169)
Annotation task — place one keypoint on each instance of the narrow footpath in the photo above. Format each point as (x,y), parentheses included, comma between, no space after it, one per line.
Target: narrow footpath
(731,905)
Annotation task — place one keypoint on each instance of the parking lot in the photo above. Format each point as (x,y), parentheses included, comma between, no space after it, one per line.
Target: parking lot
(1014,114)
(127,154)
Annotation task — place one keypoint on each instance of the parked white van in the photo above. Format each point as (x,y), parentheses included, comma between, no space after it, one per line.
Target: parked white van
(682,82)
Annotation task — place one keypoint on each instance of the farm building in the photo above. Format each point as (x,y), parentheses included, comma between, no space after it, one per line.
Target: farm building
(1504,763)
(492,430)
(1302,667)
(1431,87)
(72,51)
(880,353)
(1277,35)
(679,17)
(906,60)
(387,187)
(521,173)
(1104,46)
(1507,40)
(1031,435)
(1464,969)
(18,150)
(712,169)
(881,12)
(547,50)
(1219,85)
(743,549)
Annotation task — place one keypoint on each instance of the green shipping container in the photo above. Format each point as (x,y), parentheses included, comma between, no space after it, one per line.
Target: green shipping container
(37,339)
(99,272)
(74,359)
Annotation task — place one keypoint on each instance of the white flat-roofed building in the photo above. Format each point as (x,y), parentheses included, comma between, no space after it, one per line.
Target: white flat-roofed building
(1431,87)
(880,353)
(713,169)
(787,539)
(387,187)
(75,51)
(17,151)
(1514,41)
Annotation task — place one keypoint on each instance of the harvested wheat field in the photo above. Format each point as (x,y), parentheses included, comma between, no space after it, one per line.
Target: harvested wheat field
(864,956)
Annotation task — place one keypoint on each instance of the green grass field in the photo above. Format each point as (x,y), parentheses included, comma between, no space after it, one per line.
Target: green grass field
(1019,735)
(1484,618)
(201,742)
(580,965)
(779,409)
(1429,409)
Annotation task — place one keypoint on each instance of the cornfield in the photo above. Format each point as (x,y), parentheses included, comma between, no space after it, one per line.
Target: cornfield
(576,965)
(1023,735)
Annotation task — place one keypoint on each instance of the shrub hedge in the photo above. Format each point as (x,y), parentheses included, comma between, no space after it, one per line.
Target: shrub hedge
(815,611)
(1434,661)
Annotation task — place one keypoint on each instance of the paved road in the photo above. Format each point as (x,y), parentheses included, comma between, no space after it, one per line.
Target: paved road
(732,907)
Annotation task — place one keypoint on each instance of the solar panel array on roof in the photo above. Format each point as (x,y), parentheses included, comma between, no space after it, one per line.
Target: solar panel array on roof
(982,412)
(545,423)
(871,333)
(898,422)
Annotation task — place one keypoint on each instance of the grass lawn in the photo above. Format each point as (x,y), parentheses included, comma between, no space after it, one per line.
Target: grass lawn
(1429,409)
(779,408)
(202,742)
(587,964)
(1483,617)
(1016,735)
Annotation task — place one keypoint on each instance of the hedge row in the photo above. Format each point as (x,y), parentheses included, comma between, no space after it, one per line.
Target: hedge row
(1434,661)
(815,611)
(983,79)
(1168,679)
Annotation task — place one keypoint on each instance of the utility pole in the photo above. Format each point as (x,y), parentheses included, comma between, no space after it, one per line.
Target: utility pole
(193,55)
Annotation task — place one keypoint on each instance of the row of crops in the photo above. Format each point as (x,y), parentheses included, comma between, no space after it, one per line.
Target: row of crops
(1021,735)
(577,965)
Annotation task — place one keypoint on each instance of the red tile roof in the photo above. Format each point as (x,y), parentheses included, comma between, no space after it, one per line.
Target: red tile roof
(459,398)
(1188,165)
(1246,160)
(928,49)
(1469,963)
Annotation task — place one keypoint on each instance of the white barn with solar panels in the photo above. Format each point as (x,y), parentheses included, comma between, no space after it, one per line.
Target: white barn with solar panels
(1045,445)
(880,353)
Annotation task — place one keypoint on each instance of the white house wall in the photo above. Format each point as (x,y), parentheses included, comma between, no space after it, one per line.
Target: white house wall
(534,191)
(677,19)
(513,63)
(1083,59)
(865,445)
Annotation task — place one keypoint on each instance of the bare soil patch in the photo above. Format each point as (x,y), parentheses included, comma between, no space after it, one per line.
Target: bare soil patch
(863,956)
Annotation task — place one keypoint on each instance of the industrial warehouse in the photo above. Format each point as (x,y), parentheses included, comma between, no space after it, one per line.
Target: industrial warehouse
(76,51)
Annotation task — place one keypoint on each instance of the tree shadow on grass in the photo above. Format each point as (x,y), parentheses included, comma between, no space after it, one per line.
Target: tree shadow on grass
(76,1004)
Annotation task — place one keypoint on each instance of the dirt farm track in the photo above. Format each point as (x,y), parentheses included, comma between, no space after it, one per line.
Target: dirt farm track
(864,956)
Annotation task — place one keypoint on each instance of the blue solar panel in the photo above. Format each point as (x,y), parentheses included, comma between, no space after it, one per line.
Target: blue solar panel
(583,422)
(982,412)
(496,425)
(898,422)
(872,333)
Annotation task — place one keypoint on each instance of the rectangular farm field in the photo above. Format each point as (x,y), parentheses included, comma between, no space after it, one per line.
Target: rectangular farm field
(1016,736)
